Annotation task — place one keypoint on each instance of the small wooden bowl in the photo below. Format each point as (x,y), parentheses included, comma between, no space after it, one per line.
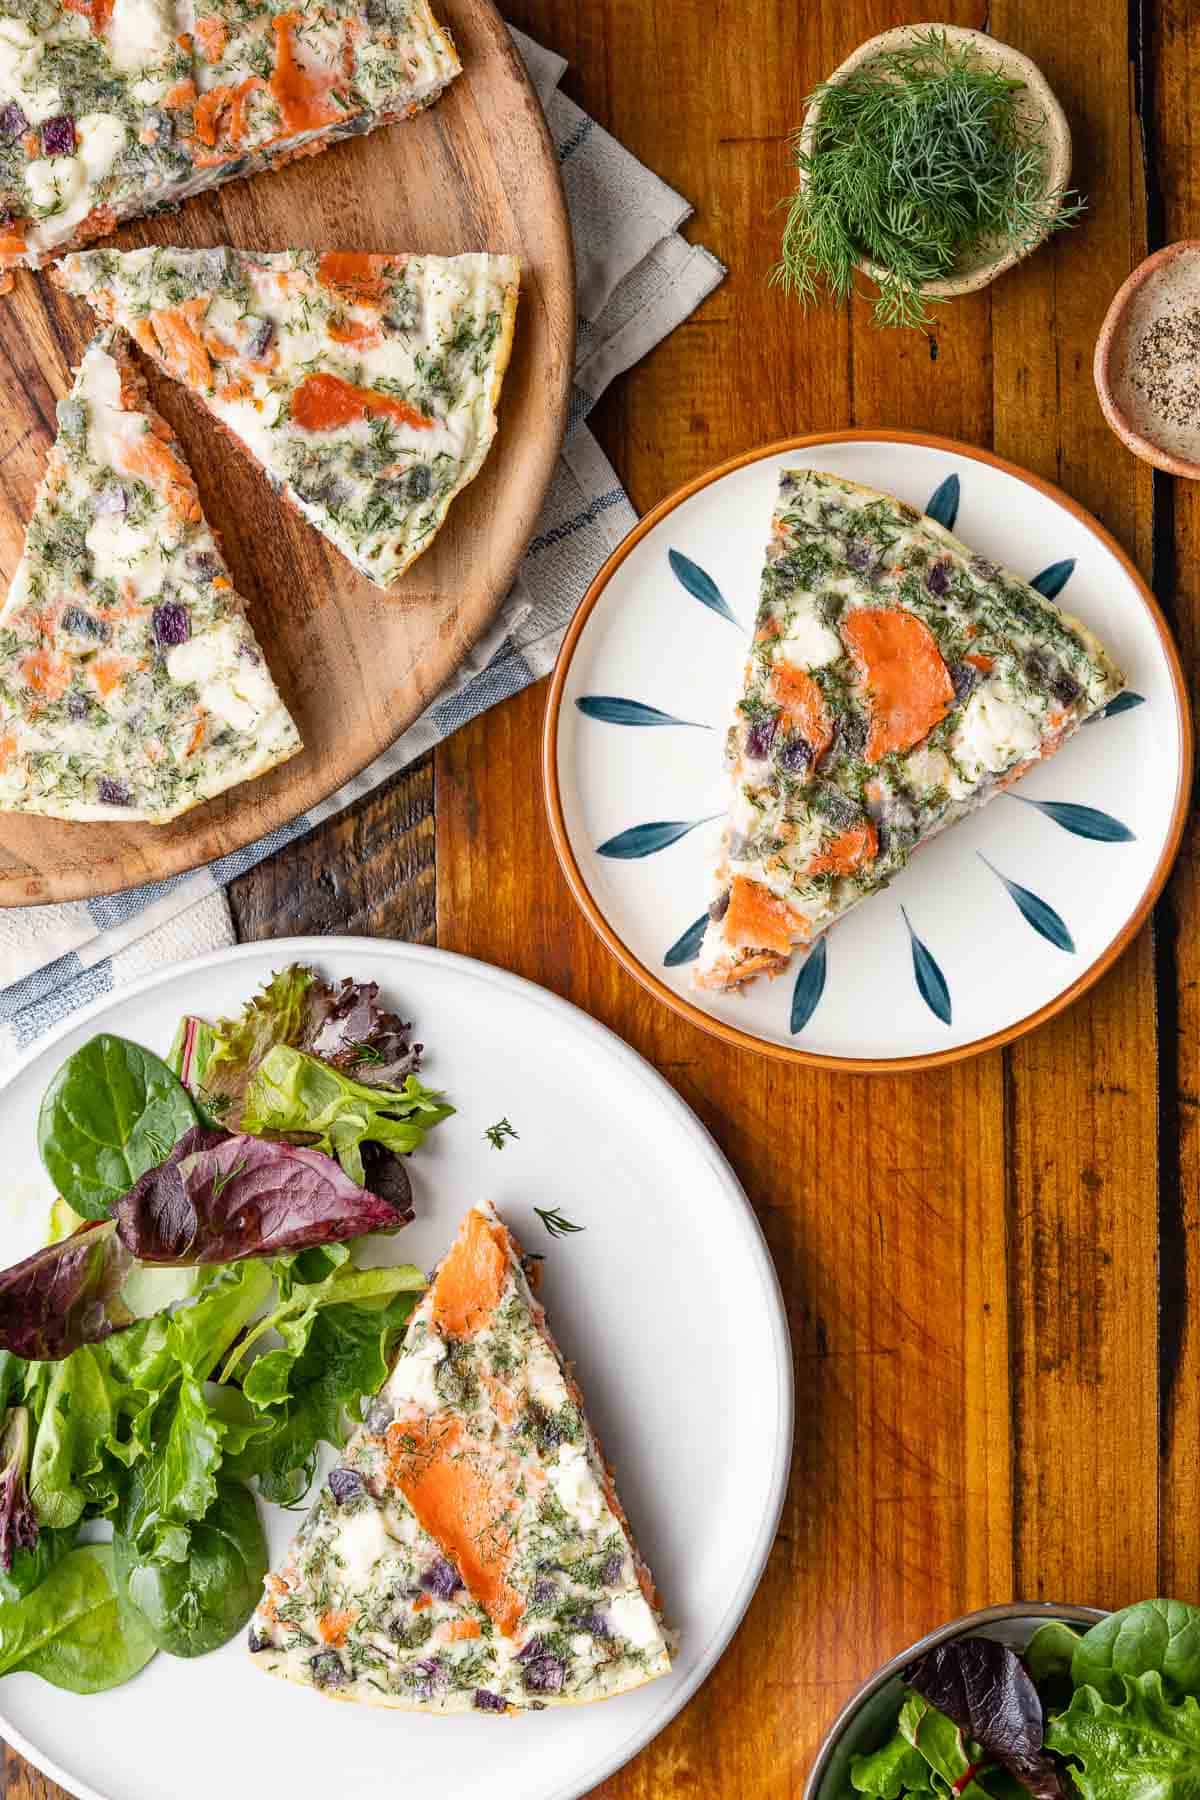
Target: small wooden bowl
(1040,108)
(1159,289)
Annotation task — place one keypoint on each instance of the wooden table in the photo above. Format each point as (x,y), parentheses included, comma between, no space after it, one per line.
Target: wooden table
(988,1269)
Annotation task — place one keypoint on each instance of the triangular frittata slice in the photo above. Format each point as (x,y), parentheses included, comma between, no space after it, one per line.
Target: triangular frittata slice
(131,685)
(469,1550)
(896,682)
(111,108)
(365,386)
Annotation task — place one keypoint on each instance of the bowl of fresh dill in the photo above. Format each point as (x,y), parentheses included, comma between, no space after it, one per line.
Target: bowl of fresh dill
(931,160)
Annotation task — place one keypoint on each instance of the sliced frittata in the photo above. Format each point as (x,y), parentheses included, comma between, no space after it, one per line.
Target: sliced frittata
(365,386)
(131,685)
(109,108)
(896,682)
(469,1550)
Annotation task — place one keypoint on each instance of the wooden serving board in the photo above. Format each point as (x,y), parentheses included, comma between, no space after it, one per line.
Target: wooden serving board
(477,171)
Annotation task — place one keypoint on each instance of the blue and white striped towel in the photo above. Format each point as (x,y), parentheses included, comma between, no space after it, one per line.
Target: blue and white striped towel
(638,279)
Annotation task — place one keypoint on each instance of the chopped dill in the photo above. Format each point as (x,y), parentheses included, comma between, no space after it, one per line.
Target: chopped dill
(555,1223)
(496,1134)
(922,158)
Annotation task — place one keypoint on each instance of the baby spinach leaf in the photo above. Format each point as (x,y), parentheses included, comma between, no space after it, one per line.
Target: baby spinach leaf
(70,1630)
(1156,1634)
(293,1094)
(1143,1748)
(112,1111)
(1048,1659)
(195,1606)
(896,1768)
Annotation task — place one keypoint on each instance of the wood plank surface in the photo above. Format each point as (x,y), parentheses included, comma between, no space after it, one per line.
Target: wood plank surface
(990,1269)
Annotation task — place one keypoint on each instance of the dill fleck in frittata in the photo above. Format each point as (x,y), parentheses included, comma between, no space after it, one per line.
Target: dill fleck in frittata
(131,685)
(110,108)
(366,386)
(896,683)
(469,1551)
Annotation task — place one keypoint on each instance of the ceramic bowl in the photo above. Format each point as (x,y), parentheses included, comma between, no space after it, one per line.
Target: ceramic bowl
(1163,291)
(867,1718)
(1041,109)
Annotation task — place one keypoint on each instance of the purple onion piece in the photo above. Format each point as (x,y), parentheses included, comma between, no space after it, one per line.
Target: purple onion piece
(761,736)
(171,624)
(486,1701)
(257,1640)
(545,1675)
(13,123)
(58,136)
(441,1578)
(964,678)
(719,907)
(544,1593)
(613,1570)
(379,1416)
(205,563)
(113,793)
(78,706)
(794,755)
(596,1623)
(111,502)
(259,333)
(345,1484)
(534,1648)
(328,1670)
(937,577)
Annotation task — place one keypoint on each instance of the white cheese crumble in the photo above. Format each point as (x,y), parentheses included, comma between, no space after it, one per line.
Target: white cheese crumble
(412,1379)
(631,1616)
(576,1488)
(546,1384)
(810,644)
(139,33)
(994,734)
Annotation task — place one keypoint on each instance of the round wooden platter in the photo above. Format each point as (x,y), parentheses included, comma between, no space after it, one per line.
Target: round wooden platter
(356,665)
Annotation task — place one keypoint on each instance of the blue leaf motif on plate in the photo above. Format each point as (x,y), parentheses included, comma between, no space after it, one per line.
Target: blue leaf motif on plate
(931,983)
(1053,580)
(1035,911)
(1083,821)
(644,840)
(1122,702)
(686,949)
(615,711)
(700,585)
(810,985)
(943,502)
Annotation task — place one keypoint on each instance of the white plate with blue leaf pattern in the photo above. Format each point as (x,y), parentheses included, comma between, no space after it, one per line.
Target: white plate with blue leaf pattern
(1001,921)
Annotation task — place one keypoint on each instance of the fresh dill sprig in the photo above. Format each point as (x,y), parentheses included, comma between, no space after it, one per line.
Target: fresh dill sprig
(554,1222)
(920,158)
(496,1134)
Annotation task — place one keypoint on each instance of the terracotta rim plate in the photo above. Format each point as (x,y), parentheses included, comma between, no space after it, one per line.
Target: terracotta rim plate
(658,1360)
(356,666)
(1000,922)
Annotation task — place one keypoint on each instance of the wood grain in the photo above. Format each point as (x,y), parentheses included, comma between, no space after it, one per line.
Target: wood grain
(990,1269)
(356,665)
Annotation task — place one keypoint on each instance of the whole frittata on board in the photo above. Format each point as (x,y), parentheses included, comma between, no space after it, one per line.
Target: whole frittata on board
(131,685)
(365,386)
(469,1552)
(109,108)
(896,682)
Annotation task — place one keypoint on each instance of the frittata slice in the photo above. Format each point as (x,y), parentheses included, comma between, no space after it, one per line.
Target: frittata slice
(131,685)
(469,1551)
(896,682)
(365,386)
(110,108)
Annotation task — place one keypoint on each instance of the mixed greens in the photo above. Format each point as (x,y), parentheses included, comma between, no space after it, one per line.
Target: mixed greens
(1110,1714)
(196,1324)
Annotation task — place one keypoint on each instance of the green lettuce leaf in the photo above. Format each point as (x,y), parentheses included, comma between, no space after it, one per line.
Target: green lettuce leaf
(296,1095)
(894,1769)
(67,1470)
(947,1751)
(1144,1748)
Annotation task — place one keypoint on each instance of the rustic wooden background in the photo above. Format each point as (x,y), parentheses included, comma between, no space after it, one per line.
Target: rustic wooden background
(988,1268)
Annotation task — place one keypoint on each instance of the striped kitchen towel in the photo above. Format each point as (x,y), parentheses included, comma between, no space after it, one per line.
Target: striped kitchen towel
(637,279)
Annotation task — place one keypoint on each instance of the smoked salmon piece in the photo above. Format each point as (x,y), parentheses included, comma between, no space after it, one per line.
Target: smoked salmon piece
(898,682)
(469,1552)
(132,685)
(364,385)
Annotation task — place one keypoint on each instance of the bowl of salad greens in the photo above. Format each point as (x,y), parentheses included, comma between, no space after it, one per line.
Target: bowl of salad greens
(197,1322)
(1057,1702)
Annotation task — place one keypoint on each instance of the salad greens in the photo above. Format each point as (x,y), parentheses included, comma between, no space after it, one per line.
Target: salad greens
(1110,1714)
(196,1325)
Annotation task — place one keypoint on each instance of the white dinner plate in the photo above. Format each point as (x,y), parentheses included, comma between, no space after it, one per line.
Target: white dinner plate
(666,1301)
(998,923)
